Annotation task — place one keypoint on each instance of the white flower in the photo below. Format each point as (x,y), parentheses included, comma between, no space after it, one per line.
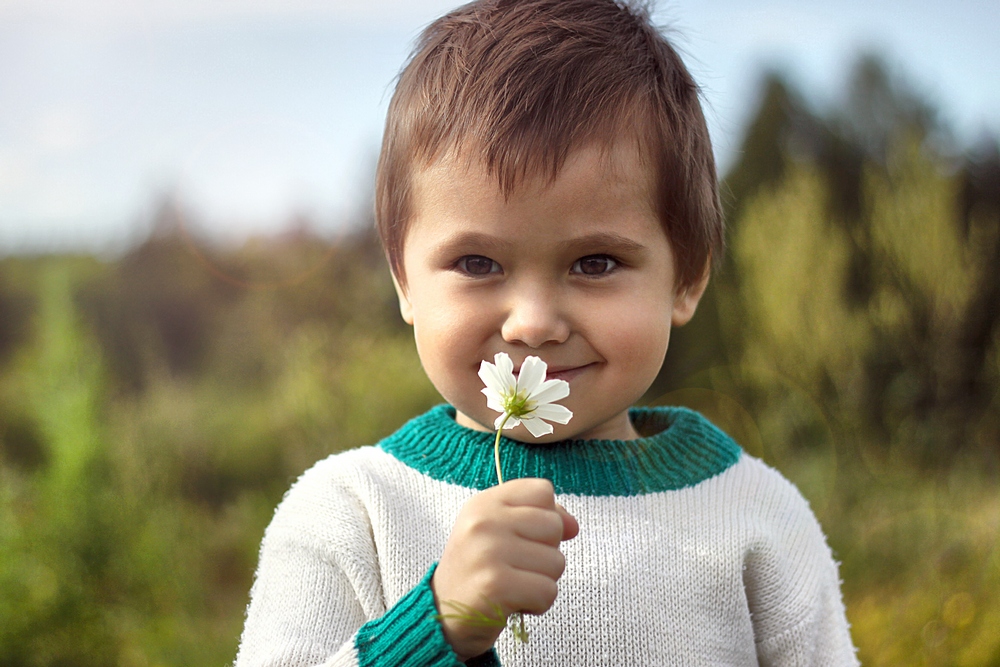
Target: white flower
(529,398)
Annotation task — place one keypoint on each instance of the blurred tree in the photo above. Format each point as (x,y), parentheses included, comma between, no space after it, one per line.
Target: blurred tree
(975,380)
(155,310)
(880,105)
(923,283)
(20,442)
(880,108)
(782,129)
(16,309)
(901,259)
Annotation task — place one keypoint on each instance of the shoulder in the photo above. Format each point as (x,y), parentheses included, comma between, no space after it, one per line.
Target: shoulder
(333,495)
(738,486)
(770,509)
(780,541)
(764,488)
(790,575)
(348,469)
(360,489)
(343,471)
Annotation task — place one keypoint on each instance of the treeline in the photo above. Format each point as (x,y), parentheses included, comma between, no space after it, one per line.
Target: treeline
(864,268)
(154,407)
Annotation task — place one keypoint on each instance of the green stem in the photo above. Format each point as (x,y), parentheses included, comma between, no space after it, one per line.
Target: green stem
(496,448)
(520,632)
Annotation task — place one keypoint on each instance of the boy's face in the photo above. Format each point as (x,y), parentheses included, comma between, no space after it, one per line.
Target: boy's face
(578,272)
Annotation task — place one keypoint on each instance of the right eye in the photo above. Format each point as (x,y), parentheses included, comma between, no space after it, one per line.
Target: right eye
(477,265)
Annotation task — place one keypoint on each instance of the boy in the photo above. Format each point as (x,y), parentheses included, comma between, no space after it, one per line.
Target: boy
(546,188)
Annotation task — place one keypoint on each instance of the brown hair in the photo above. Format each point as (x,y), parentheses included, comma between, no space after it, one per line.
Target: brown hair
(521,83)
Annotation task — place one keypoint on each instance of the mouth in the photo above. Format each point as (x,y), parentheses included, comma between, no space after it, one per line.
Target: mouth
(566,373)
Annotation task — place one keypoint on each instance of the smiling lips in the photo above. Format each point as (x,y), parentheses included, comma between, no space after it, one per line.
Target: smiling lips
(566,373)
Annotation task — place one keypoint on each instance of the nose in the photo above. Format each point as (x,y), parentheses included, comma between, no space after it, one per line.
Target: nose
(534,317)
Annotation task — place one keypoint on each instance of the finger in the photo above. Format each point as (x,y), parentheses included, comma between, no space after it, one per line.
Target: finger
(540,559)
(530,592)
(570,527)
(537,525)
(532,491)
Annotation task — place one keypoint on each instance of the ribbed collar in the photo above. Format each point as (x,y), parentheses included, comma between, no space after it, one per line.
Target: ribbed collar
(679,448)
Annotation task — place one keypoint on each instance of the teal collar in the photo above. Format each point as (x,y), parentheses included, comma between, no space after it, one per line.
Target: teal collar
(679,448)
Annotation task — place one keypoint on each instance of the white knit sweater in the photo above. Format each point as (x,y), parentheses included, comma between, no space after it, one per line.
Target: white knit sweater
(690,553)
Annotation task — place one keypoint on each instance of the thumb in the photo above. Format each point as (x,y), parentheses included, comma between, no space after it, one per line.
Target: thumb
(571,528)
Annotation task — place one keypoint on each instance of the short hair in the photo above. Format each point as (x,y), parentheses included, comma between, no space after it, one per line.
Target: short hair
(519,84)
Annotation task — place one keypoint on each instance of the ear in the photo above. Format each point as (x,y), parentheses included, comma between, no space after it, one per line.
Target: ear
(686,301)
(405,307)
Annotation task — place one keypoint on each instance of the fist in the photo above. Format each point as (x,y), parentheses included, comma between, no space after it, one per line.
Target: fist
(503,552)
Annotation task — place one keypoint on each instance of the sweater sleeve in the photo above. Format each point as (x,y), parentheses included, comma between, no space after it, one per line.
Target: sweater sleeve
(793,589)
(317,596)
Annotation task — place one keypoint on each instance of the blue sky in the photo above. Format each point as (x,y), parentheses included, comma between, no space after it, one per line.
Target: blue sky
(249,111)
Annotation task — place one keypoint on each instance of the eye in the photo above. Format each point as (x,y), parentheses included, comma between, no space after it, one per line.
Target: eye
(477,265)
(594,265)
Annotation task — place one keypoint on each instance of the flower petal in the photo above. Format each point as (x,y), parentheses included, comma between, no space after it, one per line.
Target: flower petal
(511,422)
(510,396)
(532,375)
(492,378)
(551,391)
(554,413)
(493,400)
(536,426)
(505,367)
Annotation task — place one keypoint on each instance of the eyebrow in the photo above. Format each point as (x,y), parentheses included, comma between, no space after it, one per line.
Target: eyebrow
(598,241)
(477,240)
(604,241)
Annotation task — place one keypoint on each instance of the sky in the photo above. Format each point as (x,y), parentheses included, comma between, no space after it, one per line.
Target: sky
(251,112)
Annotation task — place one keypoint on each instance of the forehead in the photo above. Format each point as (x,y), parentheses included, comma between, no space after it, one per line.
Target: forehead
(597,177)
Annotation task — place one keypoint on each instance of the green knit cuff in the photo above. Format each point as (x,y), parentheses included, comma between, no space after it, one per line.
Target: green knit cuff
(408,634)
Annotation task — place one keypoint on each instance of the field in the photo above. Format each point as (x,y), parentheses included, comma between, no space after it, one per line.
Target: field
(155,406)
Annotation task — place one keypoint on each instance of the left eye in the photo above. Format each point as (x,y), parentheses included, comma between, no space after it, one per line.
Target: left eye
(594,265)
(477,265)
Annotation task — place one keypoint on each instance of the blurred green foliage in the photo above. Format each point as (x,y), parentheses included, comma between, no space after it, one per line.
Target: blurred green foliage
(154,407)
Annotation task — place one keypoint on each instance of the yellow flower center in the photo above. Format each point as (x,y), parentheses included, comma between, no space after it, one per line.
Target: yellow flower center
(516,404)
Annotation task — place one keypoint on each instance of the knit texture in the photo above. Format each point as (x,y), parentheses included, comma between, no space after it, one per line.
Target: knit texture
(682,449)
(408,634)
(686,556)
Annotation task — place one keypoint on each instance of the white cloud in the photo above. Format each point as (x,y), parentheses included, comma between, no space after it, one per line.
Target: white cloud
(63,130)
(14,173)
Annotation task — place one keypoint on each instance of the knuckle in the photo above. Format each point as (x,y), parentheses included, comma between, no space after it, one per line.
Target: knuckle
(555,525)
(537,525)
(560,564)
(480,503)
(540,493)
(547,593)
(544,484)
(549,528)
(543,487)
(479,525)
(493,587)
(551,600)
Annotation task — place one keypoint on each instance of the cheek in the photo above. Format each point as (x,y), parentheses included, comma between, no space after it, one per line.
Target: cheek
(449,344)
(446,329)
(649,345)
(640,339)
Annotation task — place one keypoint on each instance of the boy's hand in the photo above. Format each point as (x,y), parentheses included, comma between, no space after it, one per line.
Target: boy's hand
(503,550)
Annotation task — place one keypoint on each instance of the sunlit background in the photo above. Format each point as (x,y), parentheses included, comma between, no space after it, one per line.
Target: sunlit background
(247,110)
(193,308)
